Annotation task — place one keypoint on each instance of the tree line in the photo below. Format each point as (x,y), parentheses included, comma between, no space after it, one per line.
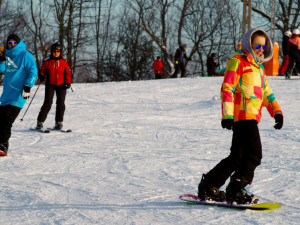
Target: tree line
(117,40)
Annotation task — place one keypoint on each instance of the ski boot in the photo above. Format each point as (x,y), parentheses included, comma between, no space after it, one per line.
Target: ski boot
(58,126)
(287,76)
(208,192)
(39,125)
(237,194)
(3,149)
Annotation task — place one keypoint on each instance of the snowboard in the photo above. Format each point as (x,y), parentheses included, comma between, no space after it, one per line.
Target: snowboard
(40,130)
(194,199)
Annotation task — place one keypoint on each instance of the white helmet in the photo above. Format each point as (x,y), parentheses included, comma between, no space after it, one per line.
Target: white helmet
(288,33)
(296,31)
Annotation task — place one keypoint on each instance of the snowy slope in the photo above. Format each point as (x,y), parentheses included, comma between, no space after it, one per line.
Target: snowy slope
(135,148)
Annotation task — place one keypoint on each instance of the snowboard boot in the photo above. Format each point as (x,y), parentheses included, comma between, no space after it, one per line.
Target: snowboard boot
(236,192)
(58,126)
(3,149)
(39,125)
(209,192)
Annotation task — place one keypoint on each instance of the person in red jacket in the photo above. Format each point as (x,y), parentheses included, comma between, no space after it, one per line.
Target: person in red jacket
(56,73)
(285,50)
(294,53)
(158,68)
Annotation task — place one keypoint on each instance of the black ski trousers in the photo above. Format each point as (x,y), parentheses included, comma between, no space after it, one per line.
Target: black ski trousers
(245,155)
(294,56)
(60,102)
(8,115)
(179,67)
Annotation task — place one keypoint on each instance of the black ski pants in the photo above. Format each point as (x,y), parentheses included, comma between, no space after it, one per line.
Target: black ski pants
(8,115)
(294,56)
(245,155)
(60,102)
(179,67)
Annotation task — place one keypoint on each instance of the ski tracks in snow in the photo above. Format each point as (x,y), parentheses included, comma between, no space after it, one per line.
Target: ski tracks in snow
(135,148)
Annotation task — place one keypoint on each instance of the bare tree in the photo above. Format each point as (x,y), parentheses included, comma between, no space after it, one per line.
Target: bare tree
(103,28)
(287,13)
(156,27)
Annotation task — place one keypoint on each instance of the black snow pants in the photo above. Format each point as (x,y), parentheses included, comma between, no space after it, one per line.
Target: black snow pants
(245,155)
(60,102)
(8,115)
(179,67)
(294,56)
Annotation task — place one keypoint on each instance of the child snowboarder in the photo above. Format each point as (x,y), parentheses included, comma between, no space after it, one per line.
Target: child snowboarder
(245,90)
(20,74)
(57,74)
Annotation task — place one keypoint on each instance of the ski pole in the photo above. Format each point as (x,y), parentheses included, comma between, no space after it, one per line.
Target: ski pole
(72,89)
(30,102)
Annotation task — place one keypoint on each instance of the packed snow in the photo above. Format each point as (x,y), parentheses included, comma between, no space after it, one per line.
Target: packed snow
(137,146)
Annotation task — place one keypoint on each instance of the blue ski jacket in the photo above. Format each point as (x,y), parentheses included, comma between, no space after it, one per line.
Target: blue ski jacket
(19,70)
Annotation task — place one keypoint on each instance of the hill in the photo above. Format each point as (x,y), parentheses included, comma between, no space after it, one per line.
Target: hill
(135,147)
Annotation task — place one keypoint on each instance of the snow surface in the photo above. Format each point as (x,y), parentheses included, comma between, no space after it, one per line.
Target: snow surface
(137,146)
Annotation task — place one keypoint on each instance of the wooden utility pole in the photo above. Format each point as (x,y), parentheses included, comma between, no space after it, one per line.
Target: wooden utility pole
(247,9)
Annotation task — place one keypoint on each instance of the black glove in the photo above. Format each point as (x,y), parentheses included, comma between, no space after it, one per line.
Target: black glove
(189,59)
(227,123)
(278,121)
(67,86)
(26,92)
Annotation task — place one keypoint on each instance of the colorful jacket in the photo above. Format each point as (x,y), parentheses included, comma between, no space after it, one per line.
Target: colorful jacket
(246,90)
(158,67)
(57,71)
(19,70)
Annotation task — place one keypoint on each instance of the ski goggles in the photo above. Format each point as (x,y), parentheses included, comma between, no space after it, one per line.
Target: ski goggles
(259,47)
(12,42)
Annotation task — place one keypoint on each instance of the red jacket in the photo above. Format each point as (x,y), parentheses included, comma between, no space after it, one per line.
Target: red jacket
(158,67)
(58,71)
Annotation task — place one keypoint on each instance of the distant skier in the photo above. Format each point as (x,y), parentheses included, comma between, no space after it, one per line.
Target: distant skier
(285,50)
(158,68)
(212,65)
(20,74)
(56,73)
(294,53)
(245,90)
(180,55)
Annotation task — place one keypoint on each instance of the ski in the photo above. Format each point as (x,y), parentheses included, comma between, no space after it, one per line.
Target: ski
(194,199)
(61,130)
(40,130)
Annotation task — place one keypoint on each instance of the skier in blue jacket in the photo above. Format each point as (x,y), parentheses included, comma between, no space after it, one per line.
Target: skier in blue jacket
(20,74)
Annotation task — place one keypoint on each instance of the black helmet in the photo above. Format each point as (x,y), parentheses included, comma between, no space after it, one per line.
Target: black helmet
(56,46)
(213,55)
